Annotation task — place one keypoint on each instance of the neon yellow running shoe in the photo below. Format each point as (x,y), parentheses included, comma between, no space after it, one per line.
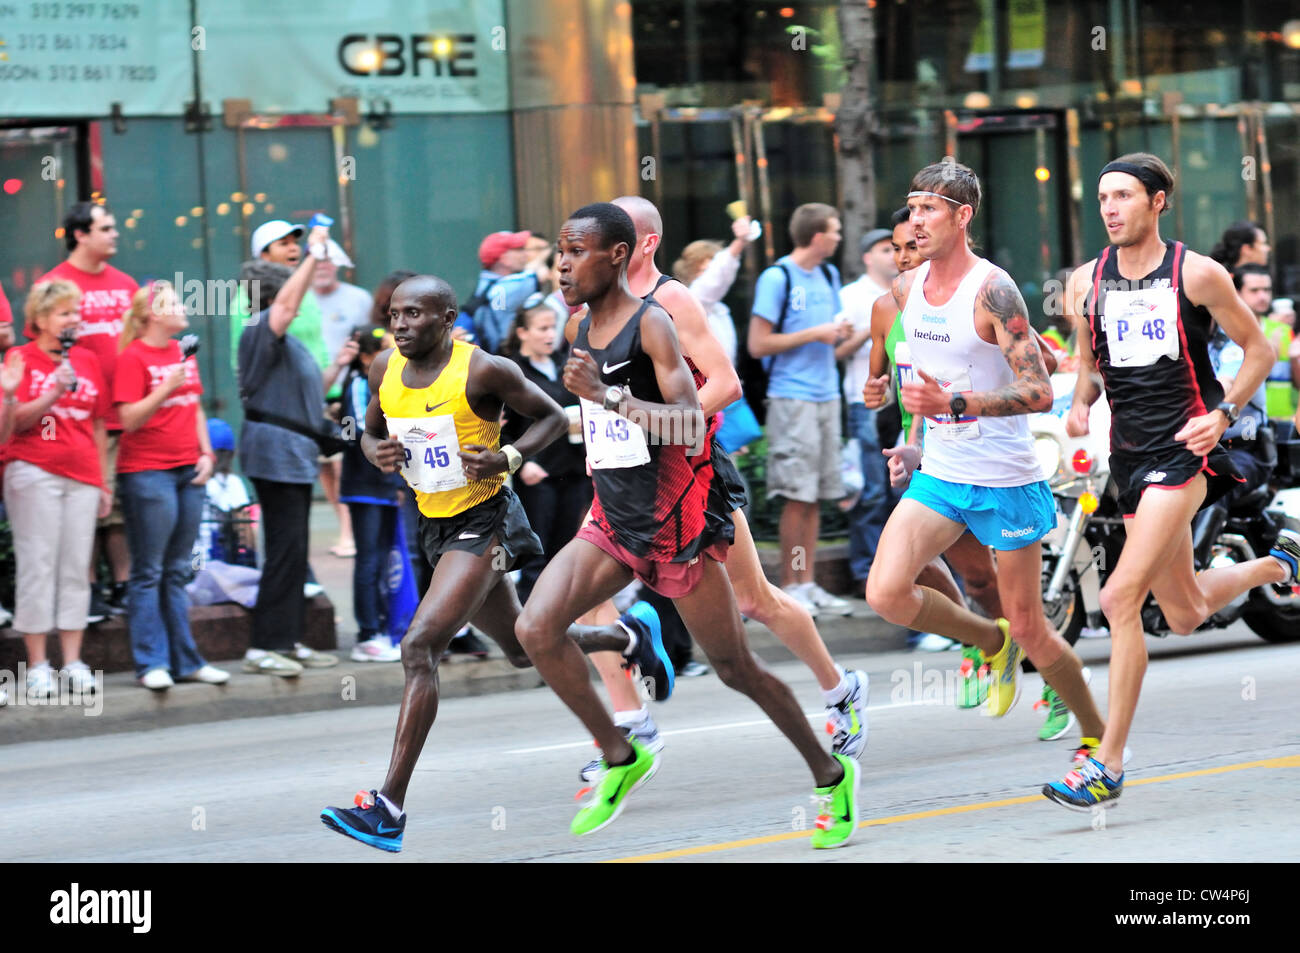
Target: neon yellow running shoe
(973,687)
(1004,687)
(607,801)
(837,816)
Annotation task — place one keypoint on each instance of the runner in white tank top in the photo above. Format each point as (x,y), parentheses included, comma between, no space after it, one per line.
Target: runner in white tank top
(978,372)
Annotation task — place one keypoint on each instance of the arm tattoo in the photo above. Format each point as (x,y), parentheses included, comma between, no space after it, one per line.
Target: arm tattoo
(1001,298)
(897,290)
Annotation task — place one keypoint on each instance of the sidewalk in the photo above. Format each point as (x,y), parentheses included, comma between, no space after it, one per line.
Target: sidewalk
(125,706)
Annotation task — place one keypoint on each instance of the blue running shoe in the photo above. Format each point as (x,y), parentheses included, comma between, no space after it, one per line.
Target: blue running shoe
(649,654)
(369,822)
(1287,551)
(1086,787)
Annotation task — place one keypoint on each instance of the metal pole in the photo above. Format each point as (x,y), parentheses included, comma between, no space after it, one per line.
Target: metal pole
(1044,235)
(764,192)
(1247,151)
(1265,170)
(1176,138)
(656,142)
(339,135)
(739,147)
(1075,182)
(950,134)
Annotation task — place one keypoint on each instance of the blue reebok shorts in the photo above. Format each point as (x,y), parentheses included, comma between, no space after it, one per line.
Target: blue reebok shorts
(1004,517)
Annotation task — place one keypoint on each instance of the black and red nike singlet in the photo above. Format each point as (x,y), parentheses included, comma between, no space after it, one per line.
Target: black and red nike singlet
(1151,345)
(655,510)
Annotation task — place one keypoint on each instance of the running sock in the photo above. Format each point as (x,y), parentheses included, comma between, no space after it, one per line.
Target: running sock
(393,809)
(630,719)
(622,764)
(631,639)
(941,615)
(1065,676)
(1113,776)
(835,695)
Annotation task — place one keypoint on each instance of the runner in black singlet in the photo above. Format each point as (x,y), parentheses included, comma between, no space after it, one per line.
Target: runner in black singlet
(633,342)
(1143,309)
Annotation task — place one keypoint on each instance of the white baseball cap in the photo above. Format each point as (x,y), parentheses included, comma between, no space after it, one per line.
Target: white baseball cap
(270,232)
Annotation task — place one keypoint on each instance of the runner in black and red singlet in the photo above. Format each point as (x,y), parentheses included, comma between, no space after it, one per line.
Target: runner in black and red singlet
(653,519)
(1144,309)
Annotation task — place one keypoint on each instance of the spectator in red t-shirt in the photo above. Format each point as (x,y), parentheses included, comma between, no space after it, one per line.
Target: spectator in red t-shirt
(164,459)
(90,233)
(54,485)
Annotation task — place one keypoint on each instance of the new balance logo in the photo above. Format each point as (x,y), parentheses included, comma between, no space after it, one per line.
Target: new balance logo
(1155,476)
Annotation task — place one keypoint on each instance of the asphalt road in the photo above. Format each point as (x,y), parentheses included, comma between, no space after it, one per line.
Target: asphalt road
(1216,749)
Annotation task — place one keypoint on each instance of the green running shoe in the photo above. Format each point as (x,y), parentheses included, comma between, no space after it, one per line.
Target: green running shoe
(837,817)
(973,688)
(607,801)
(1059,718)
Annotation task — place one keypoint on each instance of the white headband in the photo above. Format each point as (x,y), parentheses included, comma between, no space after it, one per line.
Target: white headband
(938,196)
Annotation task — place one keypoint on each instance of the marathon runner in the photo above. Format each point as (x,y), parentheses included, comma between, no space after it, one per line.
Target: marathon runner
(654,519)
(1145,310)
(978,372)
(844,693)
(434,414)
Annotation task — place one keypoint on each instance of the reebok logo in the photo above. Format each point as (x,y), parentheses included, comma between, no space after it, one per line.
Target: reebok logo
(76,906)
(610,370)
(1016,533)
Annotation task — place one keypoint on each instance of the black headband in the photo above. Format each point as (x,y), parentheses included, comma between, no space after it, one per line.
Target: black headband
(1143,175)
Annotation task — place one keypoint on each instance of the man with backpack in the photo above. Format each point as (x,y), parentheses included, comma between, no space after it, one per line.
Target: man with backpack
(507,279)
(794,332)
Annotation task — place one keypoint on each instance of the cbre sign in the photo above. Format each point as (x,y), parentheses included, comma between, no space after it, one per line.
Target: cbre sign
(390,54)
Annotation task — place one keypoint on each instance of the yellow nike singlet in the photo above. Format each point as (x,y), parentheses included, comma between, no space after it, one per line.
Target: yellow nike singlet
(433,423)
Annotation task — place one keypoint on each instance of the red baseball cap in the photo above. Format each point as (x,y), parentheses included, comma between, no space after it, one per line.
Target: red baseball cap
(498,243)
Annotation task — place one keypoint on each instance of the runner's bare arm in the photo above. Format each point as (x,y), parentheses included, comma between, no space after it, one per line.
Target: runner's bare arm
(883,313)
(384,452)
(1087,385)
(571,326)
(496,381)
(722,386)
(1208,284)
(1000,301)
(1049,355)
(679,419)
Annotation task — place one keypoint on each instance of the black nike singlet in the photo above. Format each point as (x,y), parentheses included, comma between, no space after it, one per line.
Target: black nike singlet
(655,510)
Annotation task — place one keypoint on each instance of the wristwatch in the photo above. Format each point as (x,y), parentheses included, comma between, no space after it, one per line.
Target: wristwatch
(613,398)
(957,406)
(514,459)
(1230,411)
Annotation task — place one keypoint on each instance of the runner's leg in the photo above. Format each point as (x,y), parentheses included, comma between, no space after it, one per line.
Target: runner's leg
(710,614)
(760,600)
(459,585)
(580,576)
(972,561)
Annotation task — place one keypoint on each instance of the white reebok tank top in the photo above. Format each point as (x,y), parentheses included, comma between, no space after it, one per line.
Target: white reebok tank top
(981,451)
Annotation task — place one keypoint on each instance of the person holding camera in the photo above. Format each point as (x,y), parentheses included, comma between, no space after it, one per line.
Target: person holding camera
(54,484)
(164,458)
(283,434)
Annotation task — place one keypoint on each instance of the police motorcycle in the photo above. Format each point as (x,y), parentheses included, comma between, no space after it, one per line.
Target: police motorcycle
(1079,554)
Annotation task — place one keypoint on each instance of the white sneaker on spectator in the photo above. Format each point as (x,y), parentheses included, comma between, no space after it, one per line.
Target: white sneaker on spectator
(4,698)
(933,642)
(208,675)
(797,592)
(312,589)
(41,682)
(310,658)
(80,678)
(825,602)
(262,662)
(5,617)
(379,648)
(157,680)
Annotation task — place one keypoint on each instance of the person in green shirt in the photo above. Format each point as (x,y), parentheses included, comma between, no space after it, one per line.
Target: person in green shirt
(1255,287)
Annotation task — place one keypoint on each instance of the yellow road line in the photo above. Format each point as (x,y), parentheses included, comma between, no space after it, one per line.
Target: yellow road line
(1289,761)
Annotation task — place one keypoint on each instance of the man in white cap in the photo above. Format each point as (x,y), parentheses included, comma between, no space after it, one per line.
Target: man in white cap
(277,242)
(344,307)
(507,279)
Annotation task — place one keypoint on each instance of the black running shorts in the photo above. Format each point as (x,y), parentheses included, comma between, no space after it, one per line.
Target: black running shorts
(499,520)
(1134,475)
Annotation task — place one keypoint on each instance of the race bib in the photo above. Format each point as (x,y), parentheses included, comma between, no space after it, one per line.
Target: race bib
(1141,326)
(945,427)
(432,464)
(903,364)
(613,442)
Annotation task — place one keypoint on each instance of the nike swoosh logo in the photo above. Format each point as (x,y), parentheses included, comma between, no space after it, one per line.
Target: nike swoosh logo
(469,536)
(429,410)
(611,370)
(388,830)
(614,797)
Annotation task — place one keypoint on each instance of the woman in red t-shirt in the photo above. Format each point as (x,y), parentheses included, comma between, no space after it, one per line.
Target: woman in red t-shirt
(54,485)
(163,461)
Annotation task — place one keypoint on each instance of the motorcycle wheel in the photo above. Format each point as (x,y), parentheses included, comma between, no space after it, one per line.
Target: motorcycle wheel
(1067,614)
(1271,623)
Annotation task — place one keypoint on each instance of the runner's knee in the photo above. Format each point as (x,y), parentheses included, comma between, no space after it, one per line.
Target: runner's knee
(761,602)
(890,599)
